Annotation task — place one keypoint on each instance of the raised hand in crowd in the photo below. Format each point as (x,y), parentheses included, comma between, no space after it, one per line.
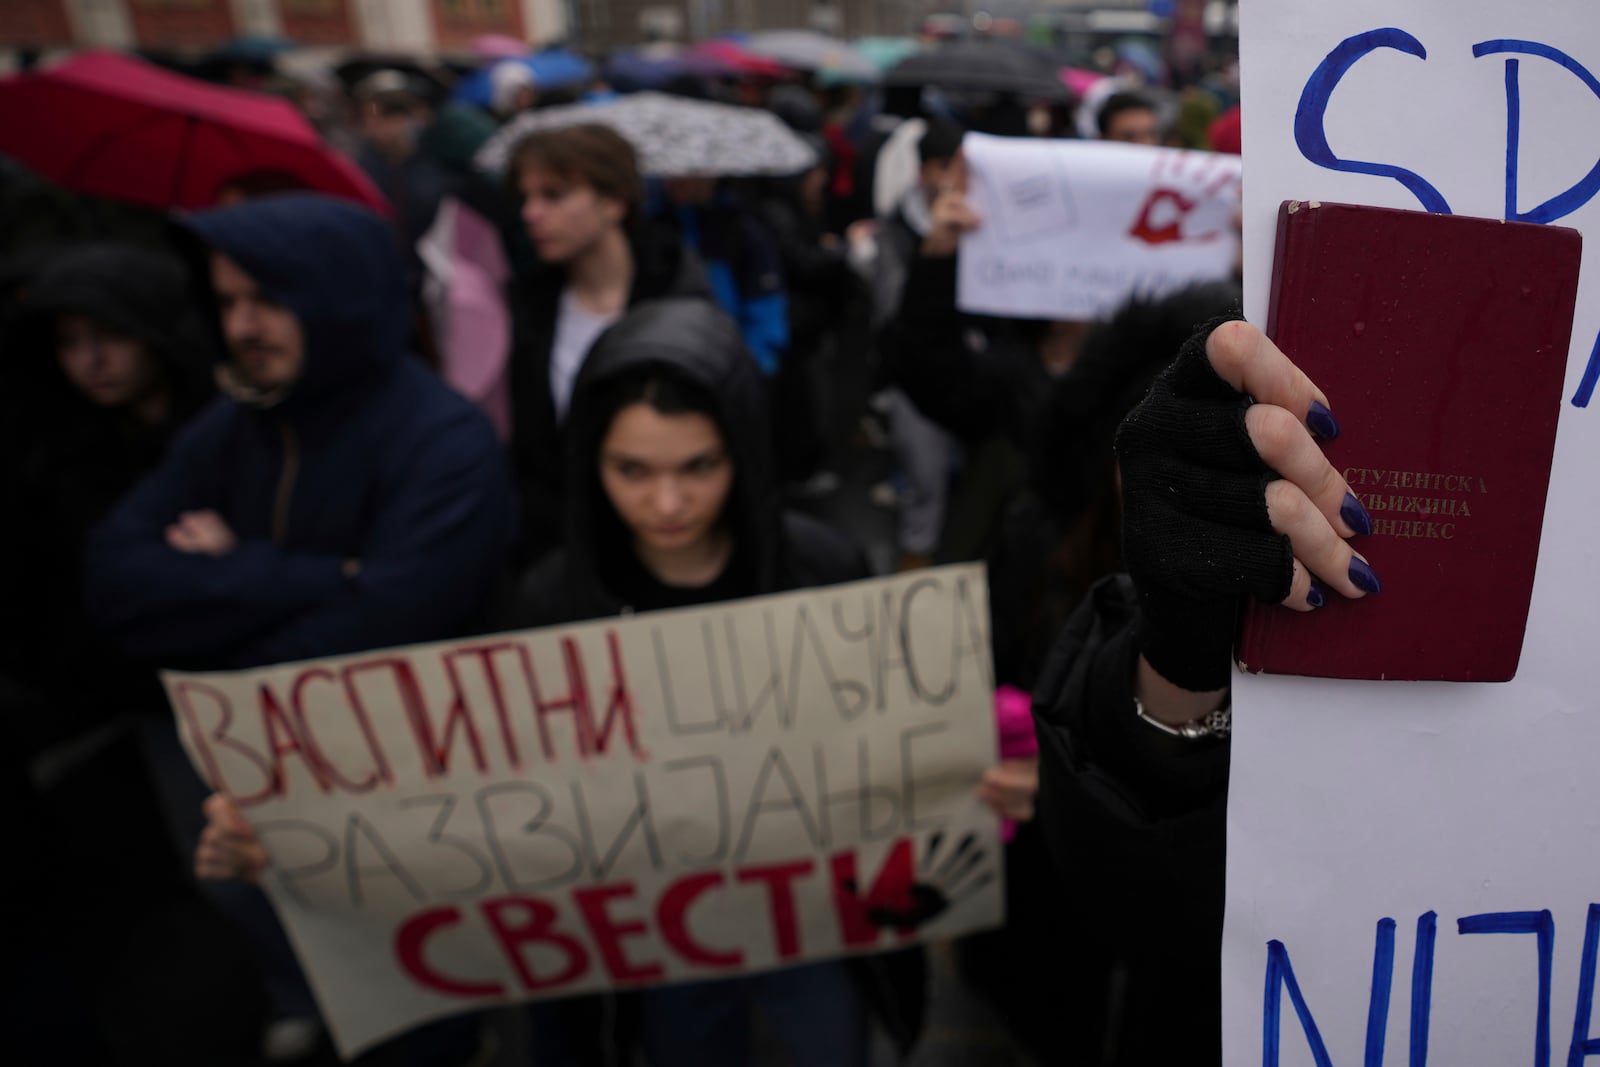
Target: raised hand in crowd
(1226,493)
(953,217)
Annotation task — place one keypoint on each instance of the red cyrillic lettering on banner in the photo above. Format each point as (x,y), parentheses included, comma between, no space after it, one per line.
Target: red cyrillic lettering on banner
(672,918)
(410,699)
(576,700)
(410,948)
(891,890)
(778,878)
(537,925)
(619,704)
(218,737)
(284,738)
(297,696)
(609,934)
(458,702)
(456,715)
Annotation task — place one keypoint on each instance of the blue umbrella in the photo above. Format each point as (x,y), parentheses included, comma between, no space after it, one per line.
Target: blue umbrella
(553,68)
(649,67)
(1142,57)
(252,48)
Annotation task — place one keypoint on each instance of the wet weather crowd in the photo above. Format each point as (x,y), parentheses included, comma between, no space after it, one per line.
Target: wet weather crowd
(284,427)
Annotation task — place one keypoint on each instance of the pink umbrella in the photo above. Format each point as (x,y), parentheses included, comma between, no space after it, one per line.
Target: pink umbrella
(498,46)
(739,61)
(1080,81)
(110,125)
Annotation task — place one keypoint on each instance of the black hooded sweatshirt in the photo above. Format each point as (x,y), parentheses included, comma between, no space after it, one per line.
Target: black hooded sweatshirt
(368,457)
(65,693)
(69,460)
(597,574)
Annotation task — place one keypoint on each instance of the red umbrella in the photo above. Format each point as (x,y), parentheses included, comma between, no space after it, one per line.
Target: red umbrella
(110,125)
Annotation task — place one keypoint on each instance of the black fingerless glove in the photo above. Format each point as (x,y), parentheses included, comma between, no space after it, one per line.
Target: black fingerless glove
(1196,535)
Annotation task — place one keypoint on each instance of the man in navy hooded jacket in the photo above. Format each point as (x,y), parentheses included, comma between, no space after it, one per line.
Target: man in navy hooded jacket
(338,498)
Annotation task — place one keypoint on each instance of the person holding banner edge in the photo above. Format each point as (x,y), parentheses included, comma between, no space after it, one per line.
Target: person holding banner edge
(982,379)
(338,498)
(672,501)
(1225,494)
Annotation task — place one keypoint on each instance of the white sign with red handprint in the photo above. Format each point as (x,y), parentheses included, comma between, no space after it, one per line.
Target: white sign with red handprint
(1073,229)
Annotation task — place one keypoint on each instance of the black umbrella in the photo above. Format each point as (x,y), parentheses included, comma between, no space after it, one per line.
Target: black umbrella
(977,65)
(429,80)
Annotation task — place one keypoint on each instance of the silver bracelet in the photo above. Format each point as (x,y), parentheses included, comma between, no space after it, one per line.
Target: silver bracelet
(1218,723)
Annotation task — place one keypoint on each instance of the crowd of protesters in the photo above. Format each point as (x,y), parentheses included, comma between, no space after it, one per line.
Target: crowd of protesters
(257,433)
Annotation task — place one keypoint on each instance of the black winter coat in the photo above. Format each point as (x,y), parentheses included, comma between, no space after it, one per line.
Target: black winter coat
(368,457)
(821,282)
(663,268)
(69,703)
(68,461)
(981,379)
(976,376)
(1136,821)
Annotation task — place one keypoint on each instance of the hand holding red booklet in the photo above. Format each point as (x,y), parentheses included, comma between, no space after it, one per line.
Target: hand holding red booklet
(1441,343)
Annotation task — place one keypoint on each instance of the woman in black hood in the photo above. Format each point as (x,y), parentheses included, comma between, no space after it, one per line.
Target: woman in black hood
(681,360)
(103,360)
(673,502)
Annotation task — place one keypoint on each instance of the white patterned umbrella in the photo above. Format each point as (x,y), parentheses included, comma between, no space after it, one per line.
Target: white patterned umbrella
(674,136)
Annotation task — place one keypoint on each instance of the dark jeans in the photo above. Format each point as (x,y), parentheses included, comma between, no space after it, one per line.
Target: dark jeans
(811,1016)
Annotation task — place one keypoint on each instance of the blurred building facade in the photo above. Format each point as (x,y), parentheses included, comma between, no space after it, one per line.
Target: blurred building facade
(598,25)
(609,23)
(376,25)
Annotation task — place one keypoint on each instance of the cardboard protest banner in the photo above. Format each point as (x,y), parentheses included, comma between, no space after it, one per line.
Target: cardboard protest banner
(657,798)
(1378,830)
(1072,229)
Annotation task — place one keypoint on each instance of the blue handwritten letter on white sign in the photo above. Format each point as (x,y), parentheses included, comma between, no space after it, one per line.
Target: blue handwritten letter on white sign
(1378,832)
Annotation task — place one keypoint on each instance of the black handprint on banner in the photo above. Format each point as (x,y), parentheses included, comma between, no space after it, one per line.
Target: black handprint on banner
(939,886)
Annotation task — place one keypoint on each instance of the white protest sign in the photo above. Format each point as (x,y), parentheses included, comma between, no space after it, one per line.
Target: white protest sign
(665,797)
(1072,229)
(1378,830)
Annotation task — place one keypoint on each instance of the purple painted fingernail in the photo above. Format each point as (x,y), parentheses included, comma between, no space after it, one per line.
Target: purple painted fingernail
(1322,422)
(1355,516)
(1363,577)
(1315,596)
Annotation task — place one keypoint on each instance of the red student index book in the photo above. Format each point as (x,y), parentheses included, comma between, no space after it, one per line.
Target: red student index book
(1441,343)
